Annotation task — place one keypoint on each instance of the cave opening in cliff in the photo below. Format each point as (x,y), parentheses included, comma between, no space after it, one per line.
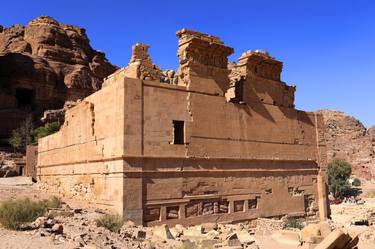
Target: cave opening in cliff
(25,97)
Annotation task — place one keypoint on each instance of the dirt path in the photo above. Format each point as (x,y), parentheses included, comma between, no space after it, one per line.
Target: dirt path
(27,240)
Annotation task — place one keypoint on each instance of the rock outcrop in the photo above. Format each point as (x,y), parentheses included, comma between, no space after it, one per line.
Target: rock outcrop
(347,138)
(44,64)
(371,132)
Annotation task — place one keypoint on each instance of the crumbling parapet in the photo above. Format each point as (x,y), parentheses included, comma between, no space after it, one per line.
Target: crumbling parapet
(261,64)
(253,66)
(58,115)
(141,66)
(202,55)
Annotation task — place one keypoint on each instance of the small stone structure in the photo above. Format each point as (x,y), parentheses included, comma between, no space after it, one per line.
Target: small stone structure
(31,161)
(213,142)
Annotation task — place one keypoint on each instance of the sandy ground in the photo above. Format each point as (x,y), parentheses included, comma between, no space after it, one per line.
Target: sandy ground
(25,239)
(342,216)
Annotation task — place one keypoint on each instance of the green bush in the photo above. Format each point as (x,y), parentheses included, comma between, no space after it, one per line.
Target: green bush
(356,182)
(112,222)
(339,172)
(25,134)
(22,136)
(45,130)
(293,223)
(16,140)
(14,213)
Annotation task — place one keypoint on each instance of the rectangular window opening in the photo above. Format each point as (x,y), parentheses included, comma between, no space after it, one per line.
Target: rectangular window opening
(178,132)
(239,206)
(152,214)
(173,212)
(253,203)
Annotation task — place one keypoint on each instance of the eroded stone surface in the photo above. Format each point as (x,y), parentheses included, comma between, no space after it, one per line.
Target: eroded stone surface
(44,64)
(347,138)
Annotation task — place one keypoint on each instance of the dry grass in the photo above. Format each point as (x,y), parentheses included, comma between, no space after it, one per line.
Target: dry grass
(293,223)
(112,222)
(15,213)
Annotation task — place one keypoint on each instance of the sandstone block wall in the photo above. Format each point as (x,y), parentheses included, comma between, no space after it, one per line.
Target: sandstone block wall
(31,161)
(84,159)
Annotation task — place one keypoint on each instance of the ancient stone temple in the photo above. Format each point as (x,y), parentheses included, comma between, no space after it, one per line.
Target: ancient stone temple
(211,142)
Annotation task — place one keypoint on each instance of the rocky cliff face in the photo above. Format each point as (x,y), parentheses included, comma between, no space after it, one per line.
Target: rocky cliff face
(62,51)
(348,139)
(42,65)
(371,132)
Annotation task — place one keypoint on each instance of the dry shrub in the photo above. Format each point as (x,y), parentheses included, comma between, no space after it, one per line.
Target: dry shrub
(293,223)
(15,213)
(54,202)
(112,222)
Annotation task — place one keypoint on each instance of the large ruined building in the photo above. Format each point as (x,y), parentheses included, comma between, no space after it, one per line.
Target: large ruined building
(211,142)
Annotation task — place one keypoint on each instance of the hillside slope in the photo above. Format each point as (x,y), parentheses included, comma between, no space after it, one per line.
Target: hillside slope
(347,138)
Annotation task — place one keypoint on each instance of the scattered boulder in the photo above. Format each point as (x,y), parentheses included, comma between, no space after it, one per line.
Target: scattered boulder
(57,229)
(287,237)
(60,212)
(79,241)
(40,222)
(175,232)
(245,237)
(314,233)
(232,240)
(338,240)
(213,234)
(209,226)
(194,231)
(180,228)
(162,232)
(140,235)
(209,243)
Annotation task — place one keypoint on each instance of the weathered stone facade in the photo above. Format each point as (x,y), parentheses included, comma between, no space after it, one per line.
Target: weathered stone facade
(212,143)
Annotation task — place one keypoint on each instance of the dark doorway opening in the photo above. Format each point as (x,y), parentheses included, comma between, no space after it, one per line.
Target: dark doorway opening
(21,171)
(25,97)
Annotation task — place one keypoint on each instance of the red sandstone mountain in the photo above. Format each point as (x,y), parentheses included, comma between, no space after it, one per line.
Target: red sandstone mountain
(62,51)
(42,65)
(347,138)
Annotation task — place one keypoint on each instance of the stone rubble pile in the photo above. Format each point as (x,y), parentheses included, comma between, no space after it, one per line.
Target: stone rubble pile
(8,163)
(5,161)
(77,228)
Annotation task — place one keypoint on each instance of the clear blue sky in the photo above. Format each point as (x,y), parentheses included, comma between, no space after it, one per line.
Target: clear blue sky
(328,47)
